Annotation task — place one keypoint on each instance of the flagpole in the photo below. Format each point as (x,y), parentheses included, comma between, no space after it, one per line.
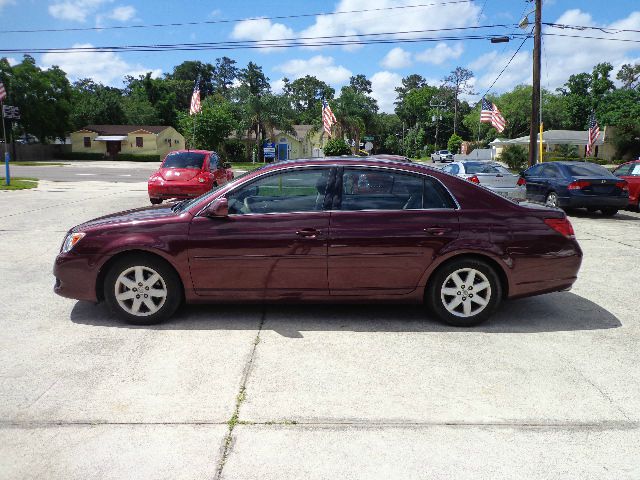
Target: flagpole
(479,119)
(7,177)
(193,136)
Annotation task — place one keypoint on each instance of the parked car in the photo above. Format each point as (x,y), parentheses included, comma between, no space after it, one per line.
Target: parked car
(630,172)
(442,156)
(303,231)
(576,185)
(188,174)
(489,174)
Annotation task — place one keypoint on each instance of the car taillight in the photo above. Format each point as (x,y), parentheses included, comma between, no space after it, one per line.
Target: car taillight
(578,184)
(623,185)
(474,179)
(561,225)
(521,181)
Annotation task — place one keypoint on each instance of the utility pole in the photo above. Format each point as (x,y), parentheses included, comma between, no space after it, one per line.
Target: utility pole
(535,97)
(435,119)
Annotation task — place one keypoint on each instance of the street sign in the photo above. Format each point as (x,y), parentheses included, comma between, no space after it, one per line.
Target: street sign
(368,138)
(269,150)
(368,146)
(10,112)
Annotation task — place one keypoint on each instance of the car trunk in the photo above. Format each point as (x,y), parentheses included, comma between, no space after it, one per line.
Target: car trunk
(598,186)
(179,174)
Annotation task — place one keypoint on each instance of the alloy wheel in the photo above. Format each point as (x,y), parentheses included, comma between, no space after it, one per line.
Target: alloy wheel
(465,292)
(552,200)
(140,291)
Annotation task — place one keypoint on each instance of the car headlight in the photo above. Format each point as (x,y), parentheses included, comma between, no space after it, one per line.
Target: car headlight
(70,241)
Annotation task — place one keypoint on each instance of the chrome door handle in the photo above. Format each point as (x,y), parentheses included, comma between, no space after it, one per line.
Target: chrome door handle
(308,233)
(438,231)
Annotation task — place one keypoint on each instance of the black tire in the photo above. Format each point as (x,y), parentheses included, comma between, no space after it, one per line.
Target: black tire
(155,201)
(435,298)
(169,280)
(609,211)
(592,209)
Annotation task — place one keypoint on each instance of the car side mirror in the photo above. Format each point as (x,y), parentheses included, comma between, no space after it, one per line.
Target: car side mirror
(219,208)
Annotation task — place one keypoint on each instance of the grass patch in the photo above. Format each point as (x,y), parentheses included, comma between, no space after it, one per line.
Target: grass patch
(18,183)
(247,165)
(37,164)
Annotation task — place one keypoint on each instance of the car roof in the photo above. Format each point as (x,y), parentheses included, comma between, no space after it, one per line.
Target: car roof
(350,160)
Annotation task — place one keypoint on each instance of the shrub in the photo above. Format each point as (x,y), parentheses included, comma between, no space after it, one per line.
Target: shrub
(235,150)
(335,147)
(454,143)
(515,157)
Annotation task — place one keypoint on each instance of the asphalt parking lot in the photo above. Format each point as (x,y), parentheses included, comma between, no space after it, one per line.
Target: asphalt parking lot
(549,388)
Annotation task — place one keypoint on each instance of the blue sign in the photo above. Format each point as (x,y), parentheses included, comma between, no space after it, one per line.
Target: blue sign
(269,150)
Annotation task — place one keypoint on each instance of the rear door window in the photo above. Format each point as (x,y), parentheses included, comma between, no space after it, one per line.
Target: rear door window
(372,189)
(588,170)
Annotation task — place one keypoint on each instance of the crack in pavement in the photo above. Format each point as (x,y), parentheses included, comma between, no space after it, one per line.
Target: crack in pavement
(233,421)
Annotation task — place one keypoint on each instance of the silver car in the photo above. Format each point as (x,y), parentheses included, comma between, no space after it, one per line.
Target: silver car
(491,175)
(442,156)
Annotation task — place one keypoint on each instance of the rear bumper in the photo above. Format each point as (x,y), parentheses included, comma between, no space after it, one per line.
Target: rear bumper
(593,201)
(519,193)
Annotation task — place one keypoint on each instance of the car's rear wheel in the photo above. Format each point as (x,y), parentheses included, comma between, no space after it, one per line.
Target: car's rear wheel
(609,212)
(592,209)
(142,290)
(551,200)
(464,293)
(155,201)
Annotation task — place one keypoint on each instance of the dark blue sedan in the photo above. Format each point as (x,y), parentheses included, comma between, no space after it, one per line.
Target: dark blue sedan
(576,185)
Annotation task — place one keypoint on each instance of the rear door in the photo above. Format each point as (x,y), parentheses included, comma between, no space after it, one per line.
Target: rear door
(386,227)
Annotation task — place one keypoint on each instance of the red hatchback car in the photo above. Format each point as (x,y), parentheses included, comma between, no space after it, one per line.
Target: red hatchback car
(324,230)
(188,174)
(630,172)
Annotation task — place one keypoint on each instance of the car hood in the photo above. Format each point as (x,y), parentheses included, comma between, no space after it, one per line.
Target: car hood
(178,174)
(137,215)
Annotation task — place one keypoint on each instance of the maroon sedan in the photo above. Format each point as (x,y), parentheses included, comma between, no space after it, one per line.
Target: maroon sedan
(630,172)
(338,230)
(188,174)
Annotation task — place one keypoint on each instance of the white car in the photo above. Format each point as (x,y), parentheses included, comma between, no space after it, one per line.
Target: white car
(442,156)
(491,175)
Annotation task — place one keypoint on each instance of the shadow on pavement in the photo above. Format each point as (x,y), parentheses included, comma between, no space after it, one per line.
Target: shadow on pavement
(621,215)
(554,312)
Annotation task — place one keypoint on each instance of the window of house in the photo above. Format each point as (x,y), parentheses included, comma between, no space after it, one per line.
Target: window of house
(139,142)
(87,142)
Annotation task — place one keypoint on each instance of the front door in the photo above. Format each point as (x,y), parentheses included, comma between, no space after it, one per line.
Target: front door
(386,230)
(272,245)
(113,148)
(282,151)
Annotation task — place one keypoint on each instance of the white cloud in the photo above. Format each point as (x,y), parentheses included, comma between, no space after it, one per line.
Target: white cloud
(122,14)
(12,61)
(105,67)
(319,66)
(562,56)
(440,53)
(74,10)
(383,86)
(383,21)
(5,3)
(261,29)
(277,86)
(396,58)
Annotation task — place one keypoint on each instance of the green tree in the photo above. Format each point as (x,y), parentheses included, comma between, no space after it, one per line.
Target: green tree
(454,143)
(94,103)
(336,147)
(515,156)
(250,95)
(213,125)
(43,96)
(190,70)
(629,75)
(355,112)
(225,73)
(360,83)
(459,83)
(306,96)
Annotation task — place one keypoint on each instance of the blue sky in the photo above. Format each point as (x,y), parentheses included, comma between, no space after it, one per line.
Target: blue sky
(384,64)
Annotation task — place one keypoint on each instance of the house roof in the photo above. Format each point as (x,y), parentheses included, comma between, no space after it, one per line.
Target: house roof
(554,137)
(124,129)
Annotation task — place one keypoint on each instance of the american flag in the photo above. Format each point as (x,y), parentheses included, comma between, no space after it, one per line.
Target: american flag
(489,113)
(195,99)
(594,131)
(3,92)
(328,118)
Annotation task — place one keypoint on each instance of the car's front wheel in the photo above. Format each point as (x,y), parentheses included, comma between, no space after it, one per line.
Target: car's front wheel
(609,212)
(142,290)
(464,293)
(155,201)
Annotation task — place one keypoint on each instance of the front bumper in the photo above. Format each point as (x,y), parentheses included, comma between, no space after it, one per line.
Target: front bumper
(76,276)
(177,191)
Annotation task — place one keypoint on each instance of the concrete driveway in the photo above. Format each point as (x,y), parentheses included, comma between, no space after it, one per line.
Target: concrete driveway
(549,388)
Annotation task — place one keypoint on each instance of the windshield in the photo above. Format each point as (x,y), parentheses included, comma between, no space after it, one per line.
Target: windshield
(184,160)
(588,170)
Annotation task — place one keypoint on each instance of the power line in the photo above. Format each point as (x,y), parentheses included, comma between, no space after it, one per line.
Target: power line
(607,30)
(237,20)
